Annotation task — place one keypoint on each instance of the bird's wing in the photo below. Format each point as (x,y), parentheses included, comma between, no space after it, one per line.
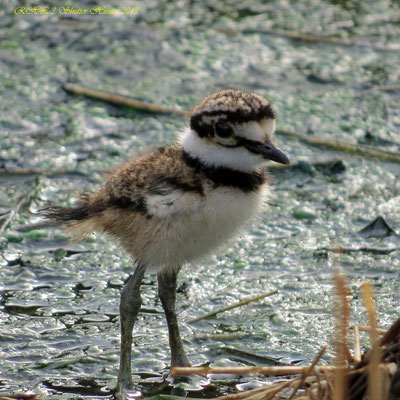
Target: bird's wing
(157,184)
(166,199)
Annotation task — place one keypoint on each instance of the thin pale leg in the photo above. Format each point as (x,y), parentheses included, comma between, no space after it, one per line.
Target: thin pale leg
(131,302)
(167,283)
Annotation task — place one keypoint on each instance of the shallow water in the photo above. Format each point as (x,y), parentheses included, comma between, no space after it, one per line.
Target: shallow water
(59,331)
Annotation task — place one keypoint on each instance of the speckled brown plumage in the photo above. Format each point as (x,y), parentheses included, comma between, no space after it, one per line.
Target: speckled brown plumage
(121,209)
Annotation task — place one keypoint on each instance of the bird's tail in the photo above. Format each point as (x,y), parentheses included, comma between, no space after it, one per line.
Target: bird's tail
(79,219)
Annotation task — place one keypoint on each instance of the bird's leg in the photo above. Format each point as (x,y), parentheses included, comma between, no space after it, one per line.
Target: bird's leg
(167,282)
(131,302)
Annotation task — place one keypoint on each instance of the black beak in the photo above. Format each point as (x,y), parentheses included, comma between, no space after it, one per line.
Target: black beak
(268,151)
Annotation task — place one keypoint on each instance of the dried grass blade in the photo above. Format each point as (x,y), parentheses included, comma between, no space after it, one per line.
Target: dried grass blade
(375,374)
(235,305)
(357,345)
(342,313)
(281,370)
(308,371)
(120,100)
(335,145)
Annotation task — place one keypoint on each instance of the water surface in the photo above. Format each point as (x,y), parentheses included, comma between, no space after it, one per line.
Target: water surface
(59,331)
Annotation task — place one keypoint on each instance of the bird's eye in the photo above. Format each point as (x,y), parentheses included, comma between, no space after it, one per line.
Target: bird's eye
(223,129)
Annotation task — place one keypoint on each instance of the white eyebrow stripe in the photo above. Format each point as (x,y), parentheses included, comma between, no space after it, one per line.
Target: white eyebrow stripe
(257,131)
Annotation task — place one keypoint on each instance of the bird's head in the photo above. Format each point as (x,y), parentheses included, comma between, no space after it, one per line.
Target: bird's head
(234,129)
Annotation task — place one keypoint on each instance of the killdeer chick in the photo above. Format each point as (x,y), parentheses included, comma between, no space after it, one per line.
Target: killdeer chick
(176,204)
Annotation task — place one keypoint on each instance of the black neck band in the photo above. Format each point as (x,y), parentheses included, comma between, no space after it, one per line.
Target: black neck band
(223,176)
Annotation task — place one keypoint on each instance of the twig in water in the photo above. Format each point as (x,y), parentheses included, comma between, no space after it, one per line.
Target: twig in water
(18,396)
(120,100)
(35,225)
(343,146)
(235,305)
(39,171)
(13,213)
(389,88)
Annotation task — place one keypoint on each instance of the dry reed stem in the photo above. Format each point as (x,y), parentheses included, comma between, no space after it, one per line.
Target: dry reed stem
(275,370)
(369,330)
(341,328)
(375,382)
(240,395)
(357,344)
(263,393)
(308,371)
(326,382)
(235,305)
(325,389)
(266,392)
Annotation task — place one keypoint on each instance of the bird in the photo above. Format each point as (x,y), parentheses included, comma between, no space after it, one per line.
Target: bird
(176,204)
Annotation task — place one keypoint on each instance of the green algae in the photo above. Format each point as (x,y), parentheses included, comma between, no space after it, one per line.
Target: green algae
(64,302)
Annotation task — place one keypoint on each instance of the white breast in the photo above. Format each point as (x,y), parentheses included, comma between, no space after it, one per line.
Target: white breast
(190,226)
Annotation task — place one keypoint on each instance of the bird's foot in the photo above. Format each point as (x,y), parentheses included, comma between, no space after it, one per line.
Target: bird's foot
(126,391)
(181,385)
